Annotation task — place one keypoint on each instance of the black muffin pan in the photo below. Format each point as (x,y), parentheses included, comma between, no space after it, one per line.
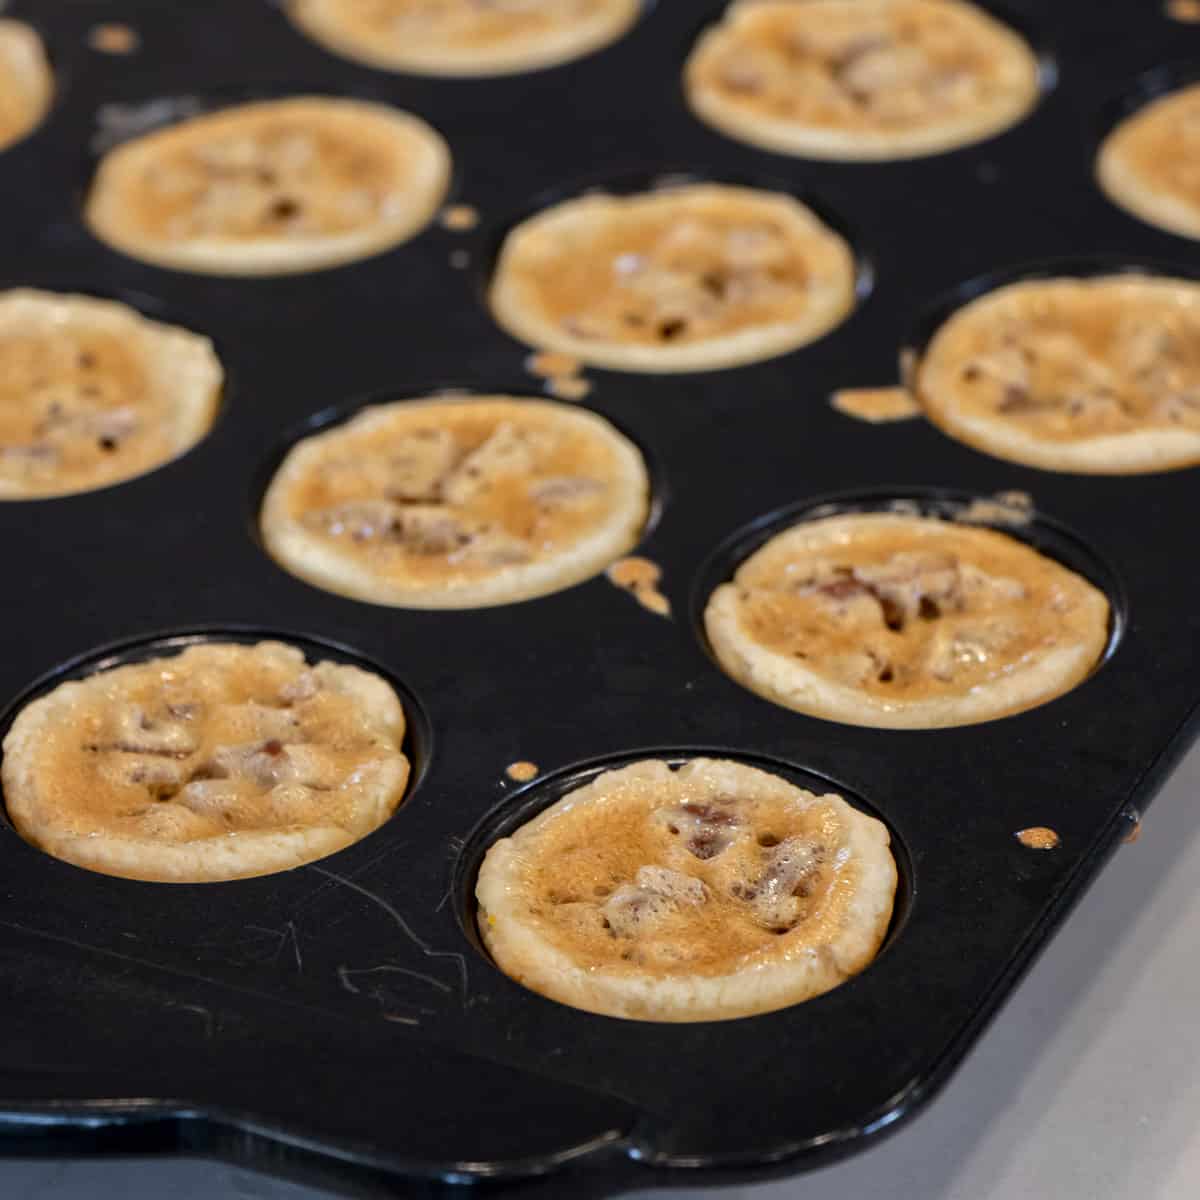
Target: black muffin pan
(340,1021)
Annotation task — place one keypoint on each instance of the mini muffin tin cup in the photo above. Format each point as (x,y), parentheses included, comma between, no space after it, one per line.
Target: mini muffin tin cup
(340,1022)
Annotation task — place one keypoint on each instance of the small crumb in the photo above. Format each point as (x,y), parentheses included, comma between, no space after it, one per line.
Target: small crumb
(1134,834)
(876,405)
(1039,838)
(459,218)
(909,361)
(521,771)
(656,602)
(1005,508)
(114,39)
(1183,10)
(639,577)
(549,364)
(460,260)
(568,387)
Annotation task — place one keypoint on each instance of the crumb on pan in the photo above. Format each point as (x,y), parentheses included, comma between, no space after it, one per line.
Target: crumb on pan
(113,38)
(550,364)
(876,405)
(639,577)
(459,218)
(522,771)
(1004,508)
(1039,838)
(568,387)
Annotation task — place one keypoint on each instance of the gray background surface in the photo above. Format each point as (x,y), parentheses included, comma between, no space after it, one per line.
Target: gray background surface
(1087,1085)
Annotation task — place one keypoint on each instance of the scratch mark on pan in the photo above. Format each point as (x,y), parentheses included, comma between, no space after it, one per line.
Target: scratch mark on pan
(201,1012)
(170,969)
(404,927)
(344,974)
(285,935)
(331,879)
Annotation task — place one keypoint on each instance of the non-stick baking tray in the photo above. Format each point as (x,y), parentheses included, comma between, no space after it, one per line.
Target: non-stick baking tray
(342,1017)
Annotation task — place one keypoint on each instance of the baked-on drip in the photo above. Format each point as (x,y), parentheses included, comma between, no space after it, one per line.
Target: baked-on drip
(221,762)
(270,187)
(860,79)
(713,891)
(92,393)
(687,278)
(463,37)
(1098,375)
(456,502)
(905,622)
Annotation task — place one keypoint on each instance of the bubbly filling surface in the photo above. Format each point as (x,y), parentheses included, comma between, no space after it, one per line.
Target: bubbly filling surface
(844,65)
(672,268)
(441,492)
(1071,359)
(685,880)
(911,610)
(218,741)
(276,169)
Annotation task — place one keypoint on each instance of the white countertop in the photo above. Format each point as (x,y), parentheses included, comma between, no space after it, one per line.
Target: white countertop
(1086,1086)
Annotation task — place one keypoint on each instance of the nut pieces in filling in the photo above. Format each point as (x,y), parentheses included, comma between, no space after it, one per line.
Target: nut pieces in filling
(456,501)
(1098,375)
(270,187)
(93,393)
(860,79)
(905,622)
(713,891)
(221,762)
(686,278)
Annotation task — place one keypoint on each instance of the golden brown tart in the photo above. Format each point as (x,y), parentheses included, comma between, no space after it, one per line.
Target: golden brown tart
(905,622)
(1098,375)
(687,278)
(1147,164)
(463,37)
(221,762)
(860,79)
(92,393)
(271,187)
(456,502)
(713,891)
(26,81)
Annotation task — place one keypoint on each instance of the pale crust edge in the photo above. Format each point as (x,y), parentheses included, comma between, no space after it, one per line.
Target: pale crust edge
(811,141)
(785,681)
(516,310)
(309,558)
(207,860)
(104,213)
(523,955)
(312,19)
(182,364)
